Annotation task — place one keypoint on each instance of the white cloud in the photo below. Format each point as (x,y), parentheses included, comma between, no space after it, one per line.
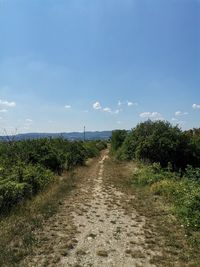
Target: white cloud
(107,110)
(7,104)
(180,113)
(196,106)
(68,106)
(151,115)
(29,120)
(119,103)
(117,111)
(97,105)
(119,122)
(3,110)
(130,104)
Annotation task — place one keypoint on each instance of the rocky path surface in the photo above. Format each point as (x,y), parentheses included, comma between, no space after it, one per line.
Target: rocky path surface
(93,229)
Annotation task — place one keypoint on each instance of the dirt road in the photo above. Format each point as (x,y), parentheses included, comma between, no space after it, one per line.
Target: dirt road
(92,228)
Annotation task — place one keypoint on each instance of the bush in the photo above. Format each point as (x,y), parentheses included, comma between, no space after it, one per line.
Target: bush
(101,145)
(117,139)
(183,193)
(12,193)
(158,142)
(150,174)
(91,149)
(193,173)
(27,167)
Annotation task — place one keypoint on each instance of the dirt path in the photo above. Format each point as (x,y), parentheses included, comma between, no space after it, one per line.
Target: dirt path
(92,228)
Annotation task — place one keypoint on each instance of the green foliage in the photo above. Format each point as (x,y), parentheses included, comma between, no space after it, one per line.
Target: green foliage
(150,174)
(183,193)
(11,193)
(24,181)
(27,167)
(117,139)
(167,149)
(158,142)
(101,145)
(193,173)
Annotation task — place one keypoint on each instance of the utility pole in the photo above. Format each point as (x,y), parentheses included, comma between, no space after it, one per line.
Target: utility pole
(84,134)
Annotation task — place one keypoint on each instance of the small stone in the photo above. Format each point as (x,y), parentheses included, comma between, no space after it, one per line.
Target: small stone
(102,253)
(70,246)
(81,252)
(64,253)
(128,251)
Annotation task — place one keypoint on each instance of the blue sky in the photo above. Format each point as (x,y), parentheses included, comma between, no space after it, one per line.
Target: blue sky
(105,64)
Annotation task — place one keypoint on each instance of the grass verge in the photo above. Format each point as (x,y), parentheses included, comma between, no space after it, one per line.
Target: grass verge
(17,237)
(164,229)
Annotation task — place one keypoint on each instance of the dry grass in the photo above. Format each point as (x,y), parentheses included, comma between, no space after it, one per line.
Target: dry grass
(162,230)
(17,237)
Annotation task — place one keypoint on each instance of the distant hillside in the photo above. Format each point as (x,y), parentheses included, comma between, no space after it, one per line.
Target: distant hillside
(104,135)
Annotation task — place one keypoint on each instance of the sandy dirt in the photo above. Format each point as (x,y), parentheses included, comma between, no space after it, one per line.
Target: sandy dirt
(92,228)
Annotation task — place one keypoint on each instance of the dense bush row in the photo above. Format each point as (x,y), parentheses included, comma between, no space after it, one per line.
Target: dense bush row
(173,168)
(27,167)
(158,142)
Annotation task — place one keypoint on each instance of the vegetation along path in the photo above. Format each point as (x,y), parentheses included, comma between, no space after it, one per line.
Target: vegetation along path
(99,224)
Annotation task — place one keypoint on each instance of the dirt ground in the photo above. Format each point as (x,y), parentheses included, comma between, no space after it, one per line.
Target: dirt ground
(99,225)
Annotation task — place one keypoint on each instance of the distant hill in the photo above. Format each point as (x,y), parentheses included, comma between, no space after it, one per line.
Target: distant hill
(104,135)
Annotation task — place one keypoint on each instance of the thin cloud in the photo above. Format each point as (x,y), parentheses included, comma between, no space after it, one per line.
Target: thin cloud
(117,111)
(68,106)
(29,120)
(119,103)
(180,113)
(151,115)
(3,110)
(7,103)
(129,103)
(196,106)
(107,110)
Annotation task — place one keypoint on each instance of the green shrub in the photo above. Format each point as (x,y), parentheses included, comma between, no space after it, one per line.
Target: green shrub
(117,139)
(12,193)
(37,177)
(27,167)
(193,173)
(101,145)
(149,174)
(183,193)
(91,149)
(157,142)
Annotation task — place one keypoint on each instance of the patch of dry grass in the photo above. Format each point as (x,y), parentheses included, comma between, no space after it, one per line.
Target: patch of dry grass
(162,229)
(17,236)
